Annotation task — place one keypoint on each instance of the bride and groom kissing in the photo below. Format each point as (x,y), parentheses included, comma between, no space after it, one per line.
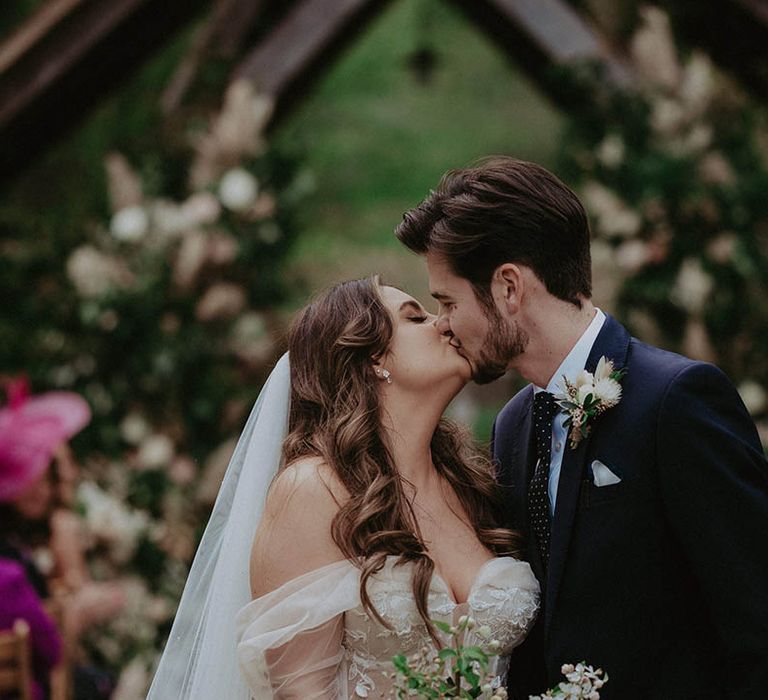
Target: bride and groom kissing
(624,530)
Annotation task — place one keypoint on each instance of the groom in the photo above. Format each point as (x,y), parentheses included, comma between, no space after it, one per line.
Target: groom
(650,536)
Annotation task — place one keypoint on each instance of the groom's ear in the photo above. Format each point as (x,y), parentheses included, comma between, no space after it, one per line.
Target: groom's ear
(508,287)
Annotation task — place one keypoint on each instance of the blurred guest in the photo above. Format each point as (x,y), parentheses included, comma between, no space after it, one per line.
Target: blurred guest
(19,600)
(37,482)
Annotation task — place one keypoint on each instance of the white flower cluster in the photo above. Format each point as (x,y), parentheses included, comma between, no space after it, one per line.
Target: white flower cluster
(587,398)
(615,219)
(133,681)
(94,273)
(582,683)
(693,287)
(111,522)
(435,673)
(600,385)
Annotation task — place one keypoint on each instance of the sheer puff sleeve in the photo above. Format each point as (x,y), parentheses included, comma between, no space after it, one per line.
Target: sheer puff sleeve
(290,639)
(290,636)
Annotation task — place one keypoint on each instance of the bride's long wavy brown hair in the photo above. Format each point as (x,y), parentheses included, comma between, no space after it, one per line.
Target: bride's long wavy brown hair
(336,415)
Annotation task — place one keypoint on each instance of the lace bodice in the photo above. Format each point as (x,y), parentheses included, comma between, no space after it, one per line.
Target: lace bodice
(316,626)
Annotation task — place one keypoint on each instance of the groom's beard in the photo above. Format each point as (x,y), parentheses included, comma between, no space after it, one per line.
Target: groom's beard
(502,344)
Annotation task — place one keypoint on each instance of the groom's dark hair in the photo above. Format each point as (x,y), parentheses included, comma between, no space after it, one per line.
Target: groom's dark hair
(505,210)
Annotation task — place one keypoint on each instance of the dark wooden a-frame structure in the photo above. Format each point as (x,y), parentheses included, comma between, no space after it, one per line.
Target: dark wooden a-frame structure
(69,54)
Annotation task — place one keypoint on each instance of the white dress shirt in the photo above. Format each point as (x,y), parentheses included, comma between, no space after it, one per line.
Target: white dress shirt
(574,362)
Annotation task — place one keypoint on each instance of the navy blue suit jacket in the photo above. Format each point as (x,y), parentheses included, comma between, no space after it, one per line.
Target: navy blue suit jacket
(661,579)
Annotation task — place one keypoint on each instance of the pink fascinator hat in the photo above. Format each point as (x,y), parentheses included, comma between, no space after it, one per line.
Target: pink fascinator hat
(31,428)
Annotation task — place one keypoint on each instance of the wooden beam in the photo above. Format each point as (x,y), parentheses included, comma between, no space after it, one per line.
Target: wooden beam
(733,32)
(233,21)
(542,35)
(302,45)
(33,30)
(537,34)
(66,57)
(222,36)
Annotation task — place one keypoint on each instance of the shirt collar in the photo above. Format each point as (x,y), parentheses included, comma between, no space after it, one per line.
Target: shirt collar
(576,359)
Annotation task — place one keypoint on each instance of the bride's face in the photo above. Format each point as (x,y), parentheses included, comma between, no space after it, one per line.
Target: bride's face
(419,356)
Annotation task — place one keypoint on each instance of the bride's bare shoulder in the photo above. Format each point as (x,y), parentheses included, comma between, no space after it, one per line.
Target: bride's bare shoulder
(294,536)
(309,479)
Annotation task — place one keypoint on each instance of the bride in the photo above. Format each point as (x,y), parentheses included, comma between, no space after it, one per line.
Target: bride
(351,516)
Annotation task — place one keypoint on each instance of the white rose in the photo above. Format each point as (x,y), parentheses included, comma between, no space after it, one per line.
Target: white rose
(610,152)
(715,169)
(133,682)
(698,82)
(111,522)
(584,391)
(155,451)
(583,378)
(201,208)
(93,273)
(253,344)
(614,217)
(692,287)
(653,50)
(130,224)
(168,217)
(134,428)
(222,248)
(667,116)
(183,471)
(238,189)
(190,259)
(697,139)
(632,255)
(221,300)
(621,224)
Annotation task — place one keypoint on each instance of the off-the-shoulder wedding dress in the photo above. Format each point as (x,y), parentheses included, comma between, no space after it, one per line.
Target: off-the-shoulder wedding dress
(311,638)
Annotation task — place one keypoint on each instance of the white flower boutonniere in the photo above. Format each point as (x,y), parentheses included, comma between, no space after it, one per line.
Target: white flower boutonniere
(589,397)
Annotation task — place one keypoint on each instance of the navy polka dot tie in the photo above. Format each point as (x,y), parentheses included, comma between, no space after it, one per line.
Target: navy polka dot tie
(544,409)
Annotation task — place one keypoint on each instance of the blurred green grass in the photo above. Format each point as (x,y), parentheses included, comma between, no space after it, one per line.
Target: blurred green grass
(376,139)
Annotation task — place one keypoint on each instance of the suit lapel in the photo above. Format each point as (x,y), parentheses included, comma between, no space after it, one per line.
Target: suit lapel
(524,456)
(524,465)
(613,343)
(565,510)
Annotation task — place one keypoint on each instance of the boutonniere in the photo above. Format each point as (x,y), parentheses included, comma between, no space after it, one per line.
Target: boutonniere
(590,396)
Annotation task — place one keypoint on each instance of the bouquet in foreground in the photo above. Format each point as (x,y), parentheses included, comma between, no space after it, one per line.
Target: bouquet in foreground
(459,671)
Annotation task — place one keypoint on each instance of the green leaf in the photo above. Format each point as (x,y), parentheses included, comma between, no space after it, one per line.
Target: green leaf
(401,663)
(442,626)
(472,678)
(476,654)
(444,654)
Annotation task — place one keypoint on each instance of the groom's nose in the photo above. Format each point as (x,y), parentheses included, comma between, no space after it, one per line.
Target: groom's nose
(443,327)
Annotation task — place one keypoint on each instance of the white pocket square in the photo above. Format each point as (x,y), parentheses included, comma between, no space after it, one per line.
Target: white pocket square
(602,475)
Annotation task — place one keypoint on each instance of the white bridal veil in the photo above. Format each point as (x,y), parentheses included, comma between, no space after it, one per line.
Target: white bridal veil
(200,659)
